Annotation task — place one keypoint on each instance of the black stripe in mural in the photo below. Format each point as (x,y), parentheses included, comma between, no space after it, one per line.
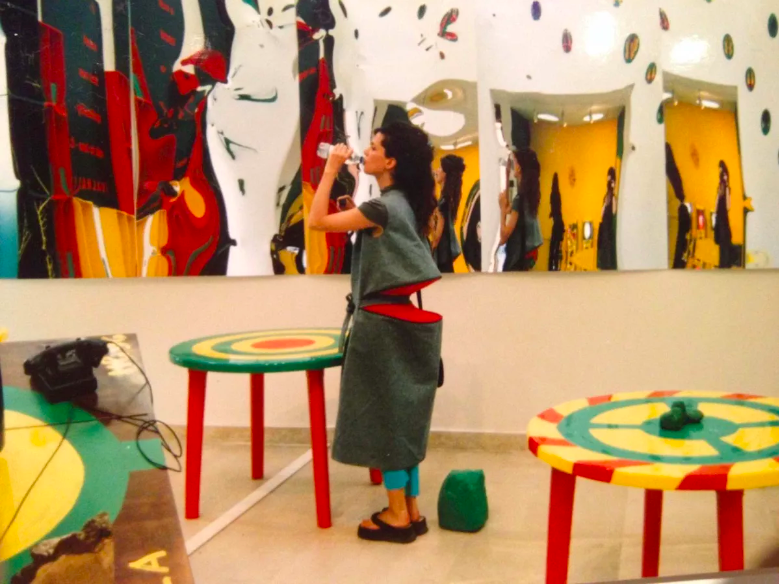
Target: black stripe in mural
(19,20)
(79,22)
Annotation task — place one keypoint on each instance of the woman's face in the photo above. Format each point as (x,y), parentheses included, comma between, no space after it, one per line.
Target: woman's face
(440,176)
(517,170)
(376,161)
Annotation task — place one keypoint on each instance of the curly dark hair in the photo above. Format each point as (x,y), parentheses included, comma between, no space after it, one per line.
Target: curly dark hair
(452,191)
(413,174)
(723,170)
(556,199)
(529,187)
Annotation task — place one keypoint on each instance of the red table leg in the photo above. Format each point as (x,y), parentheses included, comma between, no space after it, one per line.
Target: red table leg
(195,414)
(558,545)
(376,476)
(653,521)
(730,527)
(258,425)
(316,404)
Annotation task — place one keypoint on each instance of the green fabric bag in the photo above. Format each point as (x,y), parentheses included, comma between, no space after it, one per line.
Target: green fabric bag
(462,501)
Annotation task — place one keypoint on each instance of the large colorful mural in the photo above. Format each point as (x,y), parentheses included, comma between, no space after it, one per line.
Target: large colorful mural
(151,138)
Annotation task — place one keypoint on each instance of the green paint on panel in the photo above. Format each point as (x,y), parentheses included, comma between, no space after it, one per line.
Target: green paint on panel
(105,476)
(64,181)
(197,253)
(133,454)
(249,98)
(172,260)
(71,268)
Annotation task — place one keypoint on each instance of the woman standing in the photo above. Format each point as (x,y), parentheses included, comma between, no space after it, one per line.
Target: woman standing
(392,354)
(522,238)
(449,177)
(558,226)
(607,231)
(722,233)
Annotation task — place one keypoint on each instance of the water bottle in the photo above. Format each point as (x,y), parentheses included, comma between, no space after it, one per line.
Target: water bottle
(323,151)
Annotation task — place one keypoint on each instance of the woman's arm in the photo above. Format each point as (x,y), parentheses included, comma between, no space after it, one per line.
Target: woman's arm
(507,227)
(318,218)
(438,228)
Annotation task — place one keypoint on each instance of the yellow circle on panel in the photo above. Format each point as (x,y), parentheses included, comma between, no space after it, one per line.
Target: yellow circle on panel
(26,452)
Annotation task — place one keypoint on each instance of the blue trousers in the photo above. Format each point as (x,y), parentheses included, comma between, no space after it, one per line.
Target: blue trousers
(408,479)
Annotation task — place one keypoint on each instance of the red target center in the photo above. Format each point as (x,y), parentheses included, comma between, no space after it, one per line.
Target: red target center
(283,344)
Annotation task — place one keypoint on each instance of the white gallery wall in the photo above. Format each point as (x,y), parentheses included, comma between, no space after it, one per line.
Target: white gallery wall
(514,344)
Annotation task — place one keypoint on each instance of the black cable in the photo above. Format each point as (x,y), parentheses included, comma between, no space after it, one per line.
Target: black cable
(143,373)
(149,425)
(37,478)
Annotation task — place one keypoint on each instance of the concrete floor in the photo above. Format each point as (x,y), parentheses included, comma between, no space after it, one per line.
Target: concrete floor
(278,541)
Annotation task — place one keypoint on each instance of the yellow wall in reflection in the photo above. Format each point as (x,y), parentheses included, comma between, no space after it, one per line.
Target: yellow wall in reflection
(700,138)
(470,155)
(581,156)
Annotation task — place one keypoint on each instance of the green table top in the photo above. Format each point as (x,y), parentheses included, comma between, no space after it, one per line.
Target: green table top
(262,351)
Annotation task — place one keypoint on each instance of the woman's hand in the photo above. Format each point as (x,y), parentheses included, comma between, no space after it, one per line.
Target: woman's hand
(339,154)
(345,202)
(503,200)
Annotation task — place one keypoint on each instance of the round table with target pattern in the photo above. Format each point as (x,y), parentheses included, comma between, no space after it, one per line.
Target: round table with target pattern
(257,353)
(618,439)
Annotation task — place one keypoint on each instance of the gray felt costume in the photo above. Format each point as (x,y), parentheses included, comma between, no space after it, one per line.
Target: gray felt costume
(391,365)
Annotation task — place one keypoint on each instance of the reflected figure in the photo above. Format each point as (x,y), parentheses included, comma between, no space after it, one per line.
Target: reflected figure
(685,221)
(449,177)
(558,226)
(607,232)
(520,229)
(722,234)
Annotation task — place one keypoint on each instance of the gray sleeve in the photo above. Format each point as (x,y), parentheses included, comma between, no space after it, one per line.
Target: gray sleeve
(376,211)
(515,204)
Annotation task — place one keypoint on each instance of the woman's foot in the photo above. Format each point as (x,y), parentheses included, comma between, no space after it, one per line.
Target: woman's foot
(418,522)
(390,518)
(413,509)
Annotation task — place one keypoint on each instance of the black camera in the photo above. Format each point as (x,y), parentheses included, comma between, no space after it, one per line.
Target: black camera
(65,371)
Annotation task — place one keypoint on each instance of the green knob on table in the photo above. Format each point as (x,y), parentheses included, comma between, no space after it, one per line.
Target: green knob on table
(674,419)
(679,416)
(694,416)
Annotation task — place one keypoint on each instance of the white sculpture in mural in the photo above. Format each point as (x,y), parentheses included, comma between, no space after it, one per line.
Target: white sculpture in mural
(400,55)
(253,130)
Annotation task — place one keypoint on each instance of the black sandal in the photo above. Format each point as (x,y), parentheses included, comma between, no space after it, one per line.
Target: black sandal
(420,526)
(386,532)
